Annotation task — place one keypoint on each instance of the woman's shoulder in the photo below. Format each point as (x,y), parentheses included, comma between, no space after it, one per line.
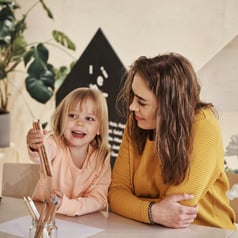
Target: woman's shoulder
(206,114)
(206,121)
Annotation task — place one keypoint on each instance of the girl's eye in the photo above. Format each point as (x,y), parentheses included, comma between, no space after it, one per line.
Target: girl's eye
(71,115)
(90,119)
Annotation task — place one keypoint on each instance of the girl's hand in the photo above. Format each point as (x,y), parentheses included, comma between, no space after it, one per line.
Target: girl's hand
(171,213)
(59,196)
(35,138)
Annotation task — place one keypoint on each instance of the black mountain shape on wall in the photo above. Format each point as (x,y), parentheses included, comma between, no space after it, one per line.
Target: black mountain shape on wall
(98,67)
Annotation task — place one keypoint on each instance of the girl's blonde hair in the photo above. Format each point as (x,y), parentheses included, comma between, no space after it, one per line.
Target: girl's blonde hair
(81,95)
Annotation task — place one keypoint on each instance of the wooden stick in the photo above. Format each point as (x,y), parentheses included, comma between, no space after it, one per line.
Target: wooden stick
(52,217)
(43,155)
(30,210)
(49,212)
(55,205)
(33,207)
(39,226)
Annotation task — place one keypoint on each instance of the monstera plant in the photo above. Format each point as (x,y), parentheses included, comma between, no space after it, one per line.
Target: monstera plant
(14,49)
(41,75)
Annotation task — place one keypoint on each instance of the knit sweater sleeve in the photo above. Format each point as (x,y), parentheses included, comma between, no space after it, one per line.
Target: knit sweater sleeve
(207,161)
(205,167)
(122,200)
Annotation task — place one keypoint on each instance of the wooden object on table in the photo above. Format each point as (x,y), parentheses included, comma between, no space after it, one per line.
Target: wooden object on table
(43,154)
(113,226)
(19,179)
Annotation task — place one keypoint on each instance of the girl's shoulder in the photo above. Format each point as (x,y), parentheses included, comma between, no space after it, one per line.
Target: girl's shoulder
(50,138)
(52,143)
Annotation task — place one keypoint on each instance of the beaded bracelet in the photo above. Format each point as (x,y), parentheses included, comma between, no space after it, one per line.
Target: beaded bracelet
(150,213)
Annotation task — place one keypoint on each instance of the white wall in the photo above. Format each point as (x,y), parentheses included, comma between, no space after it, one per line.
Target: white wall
(197,29)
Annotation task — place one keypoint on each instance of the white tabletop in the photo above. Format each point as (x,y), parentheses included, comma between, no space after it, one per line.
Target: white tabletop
(115,226)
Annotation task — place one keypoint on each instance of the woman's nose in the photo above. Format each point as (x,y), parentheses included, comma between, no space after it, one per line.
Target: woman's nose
(133,106)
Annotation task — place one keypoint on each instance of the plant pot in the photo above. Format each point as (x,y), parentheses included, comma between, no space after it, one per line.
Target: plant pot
(5,129)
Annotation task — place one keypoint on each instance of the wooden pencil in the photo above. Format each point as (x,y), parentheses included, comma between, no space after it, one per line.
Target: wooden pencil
(43,154)
(39,226)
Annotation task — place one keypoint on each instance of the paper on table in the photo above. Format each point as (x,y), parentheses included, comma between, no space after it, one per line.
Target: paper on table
(20,227)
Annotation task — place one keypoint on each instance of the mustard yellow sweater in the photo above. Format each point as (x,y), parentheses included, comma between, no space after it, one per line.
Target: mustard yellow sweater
(131,189)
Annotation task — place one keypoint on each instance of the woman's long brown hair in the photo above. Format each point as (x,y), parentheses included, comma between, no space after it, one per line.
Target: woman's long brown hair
(174,82)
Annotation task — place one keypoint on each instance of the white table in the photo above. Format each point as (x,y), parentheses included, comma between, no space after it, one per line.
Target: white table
(115,226)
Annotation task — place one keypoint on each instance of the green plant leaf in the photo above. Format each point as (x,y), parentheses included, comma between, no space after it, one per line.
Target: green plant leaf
(41,80)
(20,25)
(7,13)
(63,39)
(48,79)
(36,69)
(41,52)
(18,47)
(60,75)
(44,125)
(72,64)
(41,89)
(49,13)
(39,66)
(6,1)
(38,90)
(28,55)
(6,27)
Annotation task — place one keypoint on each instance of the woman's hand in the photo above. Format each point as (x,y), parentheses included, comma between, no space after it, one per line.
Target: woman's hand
(171,213)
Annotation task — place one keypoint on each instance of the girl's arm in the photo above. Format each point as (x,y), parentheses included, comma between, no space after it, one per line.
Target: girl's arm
(94,199)
(34,142)
(36,139)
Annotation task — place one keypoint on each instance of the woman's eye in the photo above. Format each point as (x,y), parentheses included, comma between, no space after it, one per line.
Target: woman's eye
(141,103)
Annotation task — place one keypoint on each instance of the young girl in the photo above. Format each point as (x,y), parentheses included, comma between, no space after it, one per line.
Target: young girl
(78,151)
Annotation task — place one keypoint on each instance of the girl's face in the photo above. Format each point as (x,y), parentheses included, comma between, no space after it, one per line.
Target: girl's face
(144,104)
(82,124)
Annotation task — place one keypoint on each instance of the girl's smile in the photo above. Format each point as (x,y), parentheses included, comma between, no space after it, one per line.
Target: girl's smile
(82,124)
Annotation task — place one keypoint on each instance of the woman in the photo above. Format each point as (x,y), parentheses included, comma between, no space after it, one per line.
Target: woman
(170,167)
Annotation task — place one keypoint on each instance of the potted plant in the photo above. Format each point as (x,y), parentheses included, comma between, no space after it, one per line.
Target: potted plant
(232,150)
(14,49)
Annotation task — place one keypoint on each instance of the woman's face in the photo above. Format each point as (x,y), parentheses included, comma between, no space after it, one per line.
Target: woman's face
(144,104)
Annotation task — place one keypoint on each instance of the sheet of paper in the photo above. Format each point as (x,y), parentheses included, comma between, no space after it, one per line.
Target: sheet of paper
(20,227)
